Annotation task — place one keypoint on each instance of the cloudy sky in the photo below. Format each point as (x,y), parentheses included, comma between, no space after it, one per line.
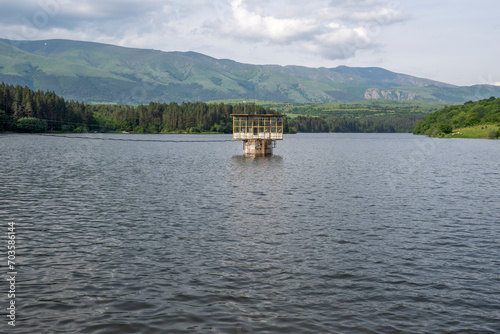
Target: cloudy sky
(453,41)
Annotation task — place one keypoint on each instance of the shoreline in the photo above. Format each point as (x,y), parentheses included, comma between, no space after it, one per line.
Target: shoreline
(484,131)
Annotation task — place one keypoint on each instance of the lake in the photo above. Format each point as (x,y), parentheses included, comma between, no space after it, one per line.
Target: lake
(334,233)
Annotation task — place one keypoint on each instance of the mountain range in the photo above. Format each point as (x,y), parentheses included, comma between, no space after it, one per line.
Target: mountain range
(102,73)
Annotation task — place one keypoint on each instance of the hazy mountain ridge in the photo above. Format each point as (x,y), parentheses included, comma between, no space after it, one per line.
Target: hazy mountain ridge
(95,72)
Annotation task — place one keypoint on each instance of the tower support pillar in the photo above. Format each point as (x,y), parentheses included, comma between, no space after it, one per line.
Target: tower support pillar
(259,146)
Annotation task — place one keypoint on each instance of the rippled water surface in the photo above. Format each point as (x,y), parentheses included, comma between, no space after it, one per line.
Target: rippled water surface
(335,233)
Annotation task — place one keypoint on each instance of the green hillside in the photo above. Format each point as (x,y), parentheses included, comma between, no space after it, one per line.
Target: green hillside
(100,73)
(479,119)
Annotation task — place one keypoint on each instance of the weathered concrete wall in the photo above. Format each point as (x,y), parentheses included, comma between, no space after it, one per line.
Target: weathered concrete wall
(259,146)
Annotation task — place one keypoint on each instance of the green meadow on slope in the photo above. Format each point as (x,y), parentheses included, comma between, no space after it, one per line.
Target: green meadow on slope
(480,119)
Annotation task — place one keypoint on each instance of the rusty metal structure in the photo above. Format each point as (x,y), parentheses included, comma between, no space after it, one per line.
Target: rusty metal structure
(258,132)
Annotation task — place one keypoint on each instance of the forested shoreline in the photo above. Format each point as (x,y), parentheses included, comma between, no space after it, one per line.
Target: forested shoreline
(25,110)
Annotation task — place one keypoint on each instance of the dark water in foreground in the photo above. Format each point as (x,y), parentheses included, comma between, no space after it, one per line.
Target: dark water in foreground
(335,233)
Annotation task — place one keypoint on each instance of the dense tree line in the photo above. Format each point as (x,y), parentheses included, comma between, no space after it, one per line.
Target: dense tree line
(384,123)
(469,114)
(21,108)
(21,103)
(191,117)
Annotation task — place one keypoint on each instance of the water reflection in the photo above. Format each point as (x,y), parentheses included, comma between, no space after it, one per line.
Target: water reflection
(256,176)
(249,158)
(256,191)
(259,229)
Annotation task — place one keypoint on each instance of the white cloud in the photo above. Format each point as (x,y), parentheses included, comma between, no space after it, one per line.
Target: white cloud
(251,25)
(332,30)
(364,12)
(382,16)
(339,42)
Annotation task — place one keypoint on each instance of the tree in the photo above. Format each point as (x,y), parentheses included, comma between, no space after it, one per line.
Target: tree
(445,128)
(4,120)
(31,124)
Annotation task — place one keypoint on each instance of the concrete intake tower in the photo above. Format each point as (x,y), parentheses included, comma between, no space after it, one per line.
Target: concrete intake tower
(258,132)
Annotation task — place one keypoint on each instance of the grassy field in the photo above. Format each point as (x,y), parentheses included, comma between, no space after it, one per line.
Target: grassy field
(478,131)
(349,110)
